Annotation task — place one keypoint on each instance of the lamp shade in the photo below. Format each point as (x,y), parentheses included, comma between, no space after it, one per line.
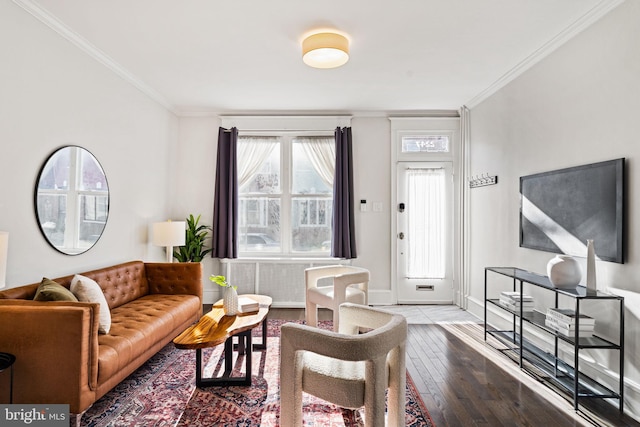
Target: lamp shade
(4,249)
(325,50)
(169,233)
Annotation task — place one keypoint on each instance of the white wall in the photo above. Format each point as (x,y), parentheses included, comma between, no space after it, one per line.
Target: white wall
(194,174)
(372,182)
(53,94)
(579,105)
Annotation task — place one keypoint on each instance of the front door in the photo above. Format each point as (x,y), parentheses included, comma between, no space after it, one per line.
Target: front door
(425,232)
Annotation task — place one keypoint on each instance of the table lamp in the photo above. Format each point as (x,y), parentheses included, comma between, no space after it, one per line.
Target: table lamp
(169,234)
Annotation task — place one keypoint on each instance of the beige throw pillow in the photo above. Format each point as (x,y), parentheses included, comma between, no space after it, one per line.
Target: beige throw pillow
(88,290)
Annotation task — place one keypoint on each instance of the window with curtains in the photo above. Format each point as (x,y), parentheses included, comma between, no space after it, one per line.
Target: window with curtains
(286,184)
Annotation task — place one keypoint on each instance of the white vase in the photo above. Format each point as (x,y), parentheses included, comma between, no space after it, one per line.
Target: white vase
(230,301)
(564,271)
(591,266)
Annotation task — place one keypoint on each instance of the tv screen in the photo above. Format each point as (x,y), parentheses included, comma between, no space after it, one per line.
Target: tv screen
(561,209)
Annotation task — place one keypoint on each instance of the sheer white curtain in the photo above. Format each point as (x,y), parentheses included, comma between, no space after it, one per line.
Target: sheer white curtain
(252,152)
(426,223)
(322,154)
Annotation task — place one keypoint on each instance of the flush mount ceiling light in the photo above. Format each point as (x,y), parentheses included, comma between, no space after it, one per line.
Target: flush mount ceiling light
(325,50)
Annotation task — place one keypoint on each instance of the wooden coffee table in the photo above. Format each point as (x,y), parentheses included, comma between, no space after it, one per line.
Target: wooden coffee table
(215,328)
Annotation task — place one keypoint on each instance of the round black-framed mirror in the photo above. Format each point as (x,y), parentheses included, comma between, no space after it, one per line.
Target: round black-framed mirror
(72,200)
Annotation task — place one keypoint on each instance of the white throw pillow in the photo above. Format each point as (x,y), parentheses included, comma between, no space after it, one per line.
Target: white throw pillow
(88,290)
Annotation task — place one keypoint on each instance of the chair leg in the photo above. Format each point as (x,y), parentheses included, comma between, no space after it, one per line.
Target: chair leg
(311,314)
(288,411)
(374,414)
(396,396)
(396,404)
(336,319)
(290,402)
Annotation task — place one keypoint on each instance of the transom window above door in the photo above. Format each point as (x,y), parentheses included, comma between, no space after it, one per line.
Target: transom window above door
(425,144)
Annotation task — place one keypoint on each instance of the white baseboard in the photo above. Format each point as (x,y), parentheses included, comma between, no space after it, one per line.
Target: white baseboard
(381,297)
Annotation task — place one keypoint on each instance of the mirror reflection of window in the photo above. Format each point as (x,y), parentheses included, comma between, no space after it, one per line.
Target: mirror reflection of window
(72,200)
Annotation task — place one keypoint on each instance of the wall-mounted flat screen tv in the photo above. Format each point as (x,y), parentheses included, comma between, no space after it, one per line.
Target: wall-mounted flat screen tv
(561,209)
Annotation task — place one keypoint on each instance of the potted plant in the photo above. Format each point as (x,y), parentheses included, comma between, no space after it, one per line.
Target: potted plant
(194,245)
(230,295)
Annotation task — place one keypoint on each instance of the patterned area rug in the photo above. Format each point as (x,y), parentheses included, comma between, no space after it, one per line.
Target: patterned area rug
(163,393)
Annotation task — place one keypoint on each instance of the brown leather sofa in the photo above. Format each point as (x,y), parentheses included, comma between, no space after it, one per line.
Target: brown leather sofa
(61,358)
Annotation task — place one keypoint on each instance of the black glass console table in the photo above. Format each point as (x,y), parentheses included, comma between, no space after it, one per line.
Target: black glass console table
(554,367)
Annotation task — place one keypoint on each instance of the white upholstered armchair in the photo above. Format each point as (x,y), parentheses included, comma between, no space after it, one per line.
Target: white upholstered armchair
(347,368)
(350,284)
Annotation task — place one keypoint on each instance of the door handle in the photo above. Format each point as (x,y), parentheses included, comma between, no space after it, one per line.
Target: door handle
(401,235)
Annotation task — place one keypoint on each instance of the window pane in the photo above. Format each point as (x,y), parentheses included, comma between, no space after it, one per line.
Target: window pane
(52,210)
(94,208)
(425,144)
(92,176)
(265,178)
(313,165)
(311,224)
(56,174)
(259,224)
(93,216)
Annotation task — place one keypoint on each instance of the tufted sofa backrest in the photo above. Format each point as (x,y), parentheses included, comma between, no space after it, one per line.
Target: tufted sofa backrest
(120,283)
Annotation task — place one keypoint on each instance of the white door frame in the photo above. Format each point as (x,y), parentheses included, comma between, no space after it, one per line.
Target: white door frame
(412,126)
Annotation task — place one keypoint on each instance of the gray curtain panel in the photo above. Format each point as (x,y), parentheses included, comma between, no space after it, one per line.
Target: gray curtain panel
(343,244)
(225,204)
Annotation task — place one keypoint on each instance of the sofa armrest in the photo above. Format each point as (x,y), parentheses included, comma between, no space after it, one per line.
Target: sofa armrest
(56,349)
(175,278)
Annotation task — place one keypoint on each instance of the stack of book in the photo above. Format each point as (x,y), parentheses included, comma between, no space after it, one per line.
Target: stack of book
(515,300)
(247,305)
(563,321)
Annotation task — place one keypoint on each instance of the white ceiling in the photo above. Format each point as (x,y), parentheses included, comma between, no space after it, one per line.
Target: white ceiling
(243,56)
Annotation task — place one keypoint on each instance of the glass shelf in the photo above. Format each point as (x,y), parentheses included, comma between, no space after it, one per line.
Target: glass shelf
(544,282)
(552,368)
(537,318)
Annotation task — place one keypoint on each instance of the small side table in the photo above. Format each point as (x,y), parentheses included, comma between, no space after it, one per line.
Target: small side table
(6,361)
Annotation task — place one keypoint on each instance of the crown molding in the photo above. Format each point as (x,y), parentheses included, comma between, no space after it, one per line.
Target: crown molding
(287,123)
(586,20)
(63,30)
(319,113)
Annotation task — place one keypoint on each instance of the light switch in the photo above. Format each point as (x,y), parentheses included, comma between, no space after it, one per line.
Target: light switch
(363,205)
(377,206)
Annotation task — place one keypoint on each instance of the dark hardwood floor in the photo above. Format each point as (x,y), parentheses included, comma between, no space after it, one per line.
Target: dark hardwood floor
(462,387)
(465,382)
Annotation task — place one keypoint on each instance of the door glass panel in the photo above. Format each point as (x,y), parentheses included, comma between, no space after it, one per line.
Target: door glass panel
(426,224)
